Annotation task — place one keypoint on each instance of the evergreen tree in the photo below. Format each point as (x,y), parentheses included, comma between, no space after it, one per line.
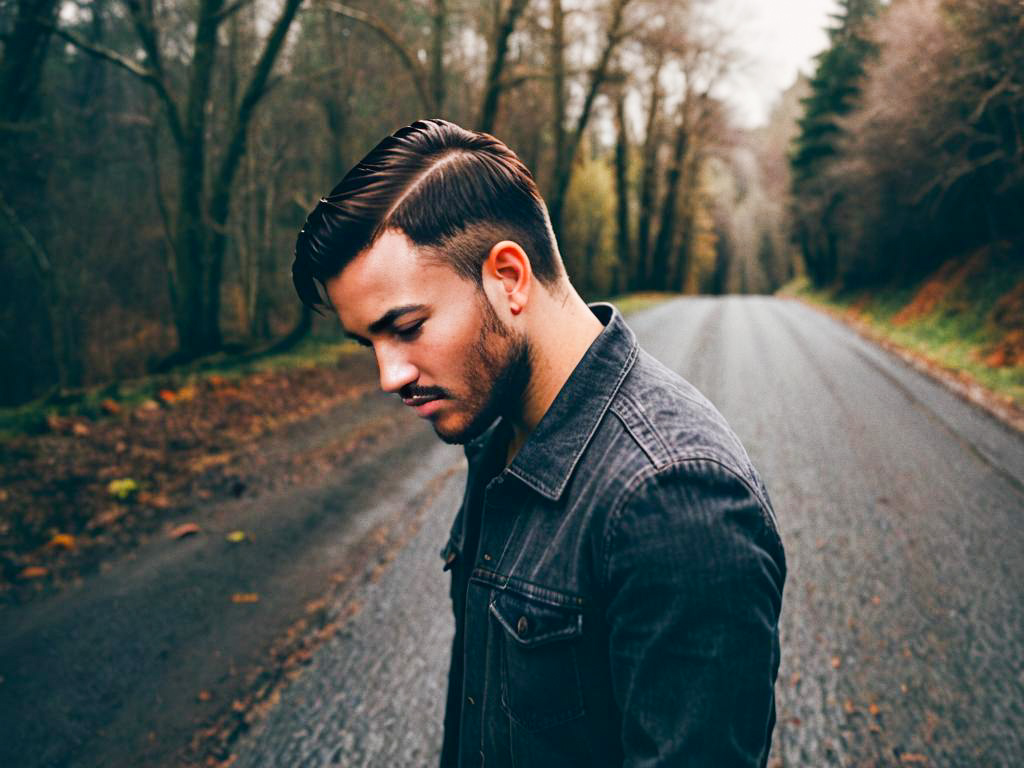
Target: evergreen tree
(834,89)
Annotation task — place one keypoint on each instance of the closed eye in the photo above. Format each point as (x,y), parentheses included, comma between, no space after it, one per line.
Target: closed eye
(410,332)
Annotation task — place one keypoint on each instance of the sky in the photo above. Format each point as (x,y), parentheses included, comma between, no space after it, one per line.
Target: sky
(776,39)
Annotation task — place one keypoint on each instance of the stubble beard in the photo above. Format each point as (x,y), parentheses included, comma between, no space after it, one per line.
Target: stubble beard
(500,363)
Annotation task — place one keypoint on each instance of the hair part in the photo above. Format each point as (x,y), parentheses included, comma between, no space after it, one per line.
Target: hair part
(453,192)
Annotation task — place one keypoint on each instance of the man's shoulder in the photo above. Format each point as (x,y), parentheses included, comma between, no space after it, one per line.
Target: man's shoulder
(664,421)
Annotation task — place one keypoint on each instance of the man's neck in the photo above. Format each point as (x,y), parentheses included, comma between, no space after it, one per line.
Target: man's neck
(563,331)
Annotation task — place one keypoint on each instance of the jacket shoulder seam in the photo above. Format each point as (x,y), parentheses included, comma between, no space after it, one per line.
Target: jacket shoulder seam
(639,478)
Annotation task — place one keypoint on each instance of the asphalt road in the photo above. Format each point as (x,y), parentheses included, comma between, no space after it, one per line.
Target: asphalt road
(902,635)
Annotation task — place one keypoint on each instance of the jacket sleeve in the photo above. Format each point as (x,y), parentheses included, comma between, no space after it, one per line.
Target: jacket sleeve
(694,572)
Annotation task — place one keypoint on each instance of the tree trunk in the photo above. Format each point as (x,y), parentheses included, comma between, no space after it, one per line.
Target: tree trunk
(558,86)
(440,23)
(660,276)
(622,234)
(499,54)
(564,170)
(220,199)
(648,180)
(21,68)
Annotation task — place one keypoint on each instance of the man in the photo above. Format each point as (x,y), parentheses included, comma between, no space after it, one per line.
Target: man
(616,569)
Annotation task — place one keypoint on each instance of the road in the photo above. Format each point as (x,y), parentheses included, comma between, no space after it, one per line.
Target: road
(900,507)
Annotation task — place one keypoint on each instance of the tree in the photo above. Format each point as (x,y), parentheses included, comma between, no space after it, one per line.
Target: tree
(200,230)
(834,89)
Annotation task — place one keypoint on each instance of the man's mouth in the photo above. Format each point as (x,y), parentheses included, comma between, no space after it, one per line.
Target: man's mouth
(420,399)
(425,405)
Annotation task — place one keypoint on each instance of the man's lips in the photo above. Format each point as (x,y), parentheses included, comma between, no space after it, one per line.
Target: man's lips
(425,405)
(420,399)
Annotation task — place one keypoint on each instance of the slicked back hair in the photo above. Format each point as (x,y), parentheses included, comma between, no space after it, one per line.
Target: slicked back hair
(453,192)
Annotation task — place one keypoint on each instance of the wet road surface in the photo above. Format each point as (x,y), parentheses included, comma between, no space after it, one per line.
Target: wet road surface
(901,508)
(903,616)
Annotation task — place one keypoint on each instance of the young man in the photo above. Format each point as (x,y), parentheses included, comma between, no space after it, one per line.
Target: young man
(616,569)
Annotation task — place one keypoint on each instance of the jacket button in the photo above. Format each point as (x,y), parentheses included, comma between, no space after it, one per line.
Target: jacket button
(522,625)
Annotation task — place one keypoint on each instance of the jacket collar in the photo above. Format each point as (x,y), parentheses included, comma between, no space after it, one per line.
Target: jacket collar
(546,460)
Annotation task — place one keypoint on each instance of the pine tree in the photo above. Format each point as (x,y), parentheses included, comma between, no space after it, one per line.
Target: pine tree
(834,89)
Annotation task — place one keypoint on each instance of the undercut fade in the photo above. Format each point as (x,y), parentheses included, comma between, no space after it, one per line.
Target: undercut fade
(453,192)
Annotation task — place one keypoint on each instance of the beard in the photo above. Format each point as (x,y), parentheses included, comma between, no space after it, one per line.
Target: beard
(497,373)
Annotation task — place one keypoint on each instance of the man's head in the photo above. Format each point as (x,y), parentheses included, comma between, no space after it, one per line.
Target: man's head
(428,250)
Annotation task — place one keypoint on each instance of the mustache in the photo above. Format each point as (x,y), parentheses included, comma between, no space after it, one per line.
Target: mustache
(410,392)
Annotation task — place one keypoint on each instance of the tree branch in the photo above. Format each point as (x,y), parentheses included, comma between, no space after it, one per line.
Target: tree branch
(149,76)
(419,77)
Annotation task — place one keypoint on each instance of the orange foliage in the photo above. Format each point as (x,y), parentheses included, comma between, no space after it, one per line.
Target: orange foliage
(950,276)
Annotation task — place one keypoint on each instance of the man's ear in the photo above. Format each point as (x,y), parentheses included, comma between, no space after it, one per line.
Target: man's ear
(507,267)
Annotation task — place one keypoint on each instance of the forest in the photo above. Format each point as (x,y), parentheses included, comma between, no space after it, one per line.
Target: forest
(160,156)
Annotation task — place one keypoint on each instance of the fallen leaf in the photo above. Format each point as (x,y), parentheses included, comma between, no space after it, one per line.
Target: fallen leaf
(836,662)
(876,599)
(166,396)
(110,406)
(183,530)
(107,517)
(78,429)
(204,696)
(3,494)
(903,688)
(155,500)
(913,757)
(849,707)
(32,572)
(63,541)
(794,679)
(185,393)
(122,488)
(873,709)
(236,536)
(245,597)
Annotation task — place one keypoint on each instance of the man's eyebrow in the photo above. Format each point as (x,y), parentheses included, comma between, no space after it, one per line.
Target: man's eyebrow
(387,320)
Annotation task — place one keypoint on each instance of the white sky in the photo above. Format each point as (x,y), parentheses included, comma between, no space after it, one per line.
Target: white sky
(775,39)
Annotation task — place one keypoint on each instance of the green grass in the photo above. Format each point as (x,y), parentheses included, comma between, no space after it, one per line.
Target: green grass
(634,302)
(957,334)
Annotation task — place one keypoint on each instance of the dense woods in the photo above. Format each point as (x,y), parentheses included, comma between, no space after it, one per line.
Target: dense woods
(160,155)
(911,150)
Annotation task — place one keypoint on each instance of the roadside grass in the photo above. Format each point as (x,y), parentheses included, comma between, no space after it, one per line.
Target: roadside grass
(965,318)
(629,303)
(93,403)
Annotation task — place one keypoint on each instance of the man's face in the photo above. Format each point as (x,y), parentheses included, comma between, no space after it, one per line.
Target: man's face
(438,342)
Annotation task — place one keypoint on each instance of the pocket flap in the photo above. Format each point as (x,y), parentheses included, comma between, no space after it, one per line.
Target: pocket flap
(531,623)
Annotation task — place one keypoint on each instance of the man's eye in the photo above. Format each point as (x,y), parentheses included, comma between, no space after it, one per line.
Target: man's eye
(410,332)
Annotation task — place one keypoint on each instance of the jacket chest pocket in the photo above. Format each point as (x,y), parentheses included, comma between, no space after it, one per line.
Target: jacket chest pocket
(540,679)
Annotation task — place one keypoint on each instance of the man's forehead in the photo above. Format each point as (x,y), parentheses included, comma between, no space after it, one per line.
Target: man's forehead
(390,275)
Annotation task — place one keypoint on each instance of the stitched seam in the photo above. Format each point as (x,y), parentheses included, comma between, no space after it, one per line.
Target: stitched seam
(635,482)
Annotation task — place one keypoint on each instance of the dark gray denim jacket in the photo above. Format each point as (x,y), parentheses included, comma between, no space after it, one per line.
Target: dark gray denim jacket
(621,606)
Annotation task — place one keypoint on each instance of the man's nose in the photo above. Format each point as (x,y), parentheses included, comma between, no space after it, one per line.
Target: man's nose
(395,370)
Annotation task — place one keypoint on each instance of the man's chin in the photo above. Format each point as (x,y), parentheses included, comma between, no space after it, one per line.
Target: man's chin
(462,434)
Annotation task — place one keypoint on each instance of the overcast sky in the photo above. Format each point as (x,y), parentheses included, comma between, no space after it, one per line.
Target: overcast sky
(777,38)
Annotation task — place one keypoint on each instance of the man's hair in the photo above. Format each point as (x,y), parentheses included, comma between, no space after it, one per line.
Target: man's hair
(453,192)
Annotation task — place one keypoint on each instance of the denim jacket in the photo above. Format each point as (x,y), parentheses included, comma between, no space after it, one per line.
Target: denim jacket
(617,587)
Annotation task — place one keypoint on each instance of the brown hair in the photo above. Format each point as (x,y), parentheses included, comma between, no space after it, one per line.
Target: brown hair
(452,191)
